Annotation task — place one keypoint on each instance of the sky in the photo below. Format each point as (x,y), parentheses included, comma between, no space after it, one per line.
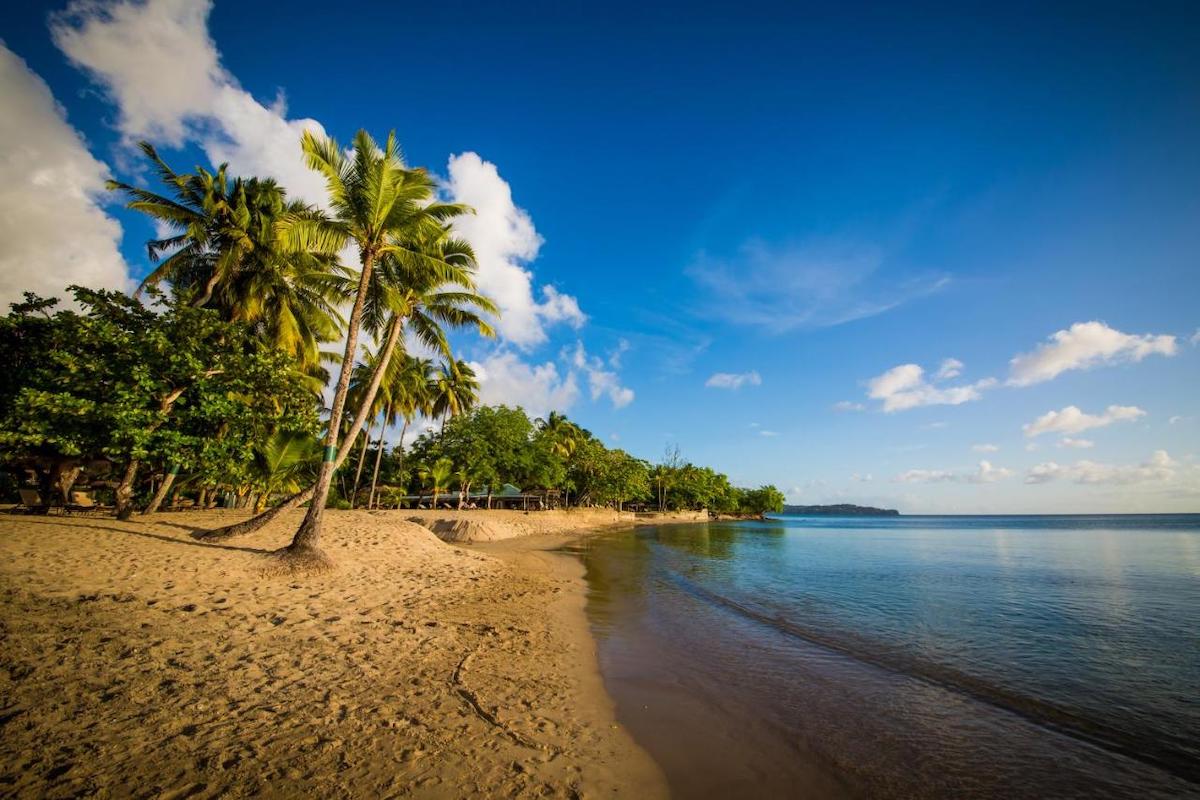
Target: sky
(935,258)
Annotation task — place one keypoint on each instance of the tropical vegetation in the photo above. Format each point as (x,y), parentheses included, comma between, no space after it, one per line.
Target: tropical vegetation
(215,381)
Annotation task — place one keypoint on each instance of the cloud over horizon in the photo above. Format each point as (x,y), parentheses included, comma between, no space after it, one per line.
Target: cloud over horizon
(903,387)
(733,380)
(53,230)
(1072,420)
(1085,345)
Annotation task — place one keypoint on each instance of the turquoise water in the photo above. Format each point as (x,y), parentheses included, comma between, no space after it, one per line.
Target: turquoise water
(908,657)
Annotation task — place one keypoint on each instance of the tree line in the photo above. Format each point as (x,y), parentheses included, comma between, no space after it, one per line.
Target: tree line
(211,377)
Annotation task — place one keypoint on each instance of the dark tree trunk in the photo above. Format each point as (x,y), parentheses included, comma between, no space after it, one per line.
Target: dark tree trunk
(163,488)
(379,454)
(305,549)
(124,491)
(66,480)
(362,458)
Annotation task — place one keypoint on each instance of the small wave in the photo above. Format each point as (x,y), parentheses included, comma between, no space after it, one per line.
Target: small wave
(1176,758)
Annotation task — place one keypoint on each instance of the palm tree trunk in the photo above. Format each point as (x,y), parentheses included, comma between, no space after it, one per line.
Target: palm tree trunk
(387,413)
(163,488)
(299,498)
(362,457)
(124,491)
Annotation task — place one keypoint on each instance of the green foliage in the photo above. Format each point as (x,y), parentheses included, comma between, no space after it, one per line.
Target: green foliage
(763,500)
(123,381)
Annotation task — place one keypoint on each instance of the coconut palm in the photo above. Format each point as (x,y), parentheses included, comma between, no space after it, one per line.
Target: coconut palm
(224,252)
(408,394)
(563,434)
(436,477)
(455,390)
(416,291)
(283,461)
(384,209)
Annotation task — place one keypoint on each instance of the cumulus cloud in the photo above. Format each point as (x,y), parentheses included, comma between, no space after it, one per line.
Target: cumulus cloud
(1078,444)
(815,284)
(950,368)
(904,387)
(985,448)
(1083,346)
(505,240)
(846,405)
(601,382)
(986,472)
(538,388)
(733,380)
(1159,467)
(53,232)
(157,63)
(1072,420)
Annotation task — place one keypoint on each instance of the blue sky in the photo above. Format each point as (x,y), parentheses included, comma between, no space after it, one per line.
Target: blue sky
(745,216)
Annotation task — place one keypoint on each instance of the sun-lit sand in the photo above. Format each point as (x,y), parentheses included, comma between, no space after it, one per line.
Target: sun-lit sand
(136,661)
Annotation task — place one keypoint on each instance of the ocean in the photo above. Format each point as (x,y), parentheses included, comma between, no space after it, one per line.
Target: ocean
(1006,657)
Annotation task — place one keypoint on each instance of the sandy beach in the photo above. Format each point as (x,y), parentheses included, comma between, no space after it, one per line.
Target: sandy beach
(136,661)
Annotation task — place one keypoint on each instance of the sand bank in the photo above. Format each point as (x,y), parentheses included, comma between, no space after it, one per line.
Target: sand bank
(484,525)
(135,661)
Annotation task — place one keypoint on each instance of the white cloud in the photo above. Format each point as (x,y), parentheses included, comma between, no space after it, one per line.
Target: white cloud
(1195,338)
(1031,447)
(53,232)
(1175,420)
(504,239)
(159,66)
(846,405)
(935,426)
(905,387)
(601,382)
(861,477)
(1082,346)
(1159,467)
(1072,420)
(538,388)
(986,472)
(1078,444)
(815,284)
(733,380)
(950,368)
(985,448)
(768,433)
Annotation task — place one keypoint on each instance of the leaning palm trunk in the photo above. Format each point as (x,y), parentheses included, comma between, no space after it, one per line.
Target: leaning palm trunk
(362,457)
(255,523)
(163,488)
(379,455)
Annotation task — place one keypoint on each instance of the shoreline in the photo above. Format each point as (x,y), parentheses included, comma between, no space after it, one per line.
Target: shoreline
(135,658)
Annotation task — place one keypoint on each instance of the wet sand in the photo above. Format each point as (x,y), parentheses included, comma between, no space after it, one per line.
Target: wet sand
(135,661)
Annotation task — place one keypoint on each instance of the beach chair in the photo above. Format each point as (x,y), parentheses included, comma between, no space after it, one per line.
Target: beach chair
(31,501)
(82,502)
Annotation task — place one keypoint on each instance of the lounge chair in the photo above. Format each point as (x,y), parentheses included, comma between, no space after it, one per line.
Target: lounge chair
(82,502)
(31,501)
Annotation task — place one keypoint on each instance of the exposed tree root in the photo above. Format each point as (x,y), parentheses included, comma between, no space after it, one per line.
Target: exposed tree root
(294,560)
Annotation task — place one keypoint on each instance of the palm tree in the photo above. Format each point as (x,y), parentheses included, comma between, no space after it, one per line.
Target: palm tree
(563,434)
(282,461)
(385,209)
(224,252)
(436,477)
(408,395)
(455,390)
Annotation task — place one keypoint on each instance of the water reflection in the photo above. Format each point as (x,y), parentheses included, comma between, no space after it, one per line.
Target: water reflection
(962,650)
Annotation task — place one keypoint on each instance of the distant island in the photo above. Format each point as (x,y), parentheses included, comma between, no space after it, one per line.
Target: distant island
(841,510)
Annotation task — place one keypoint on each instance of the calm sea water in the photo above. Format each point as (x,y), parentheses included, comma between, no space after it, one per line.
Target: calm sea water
(908,657)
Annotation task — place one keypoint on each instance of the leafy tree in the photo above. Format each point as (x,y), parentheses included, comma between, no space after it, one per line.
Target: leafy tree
(455,390)
(125,382)
(763,500)
(435,477)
